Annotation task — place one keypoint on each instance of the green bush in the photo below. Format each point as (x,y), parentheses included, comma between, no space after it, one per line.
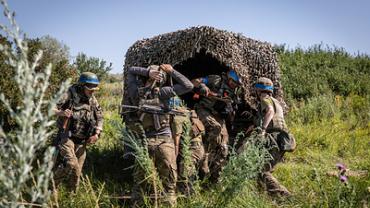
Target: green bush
(98,66)
(323,70)
(52,54)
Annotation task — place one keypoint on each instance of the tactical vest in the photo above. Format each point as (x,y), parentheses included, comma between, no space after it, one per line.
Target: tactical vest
(278,130)
(84,116)
(277,121)
(150,121)
(197,129)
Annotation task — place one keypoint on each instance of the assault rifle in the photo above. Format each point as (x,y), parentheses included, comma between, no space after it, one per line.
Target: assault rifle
(154,110)
(214,96)
(222,99)
(63,133)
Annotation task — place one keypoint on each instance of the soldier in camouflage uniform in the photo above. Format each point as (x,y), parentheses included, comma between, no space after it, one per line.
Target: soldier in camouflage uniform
(216,106)
(155,128)
(80,122)
(271,124)
(187,132)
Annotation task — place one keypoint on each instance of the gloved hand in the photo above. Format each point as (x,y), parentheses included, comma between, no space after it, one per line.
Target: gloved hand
(167,68)
(155,75)
(224,150)
(261,131)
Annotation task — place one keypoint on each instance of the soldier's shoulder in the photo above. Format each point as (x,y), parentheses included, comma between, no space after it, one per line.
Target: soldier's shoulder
(267,101)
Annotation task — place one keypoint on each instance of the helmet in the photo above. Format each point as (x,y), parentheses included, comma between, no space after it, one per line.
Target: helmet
(231,74)
(162,73)
(264,84)
(89,80)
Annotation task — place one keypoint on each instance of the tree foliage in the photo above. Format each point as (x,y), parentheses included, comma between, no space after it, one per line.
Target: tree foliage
(54,53)
(98,66)
(25,160)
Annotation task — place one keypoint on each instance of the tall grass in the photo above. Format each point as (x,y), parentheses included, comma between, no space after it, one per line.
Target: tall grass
(144,166)
(327,90)
(324,137)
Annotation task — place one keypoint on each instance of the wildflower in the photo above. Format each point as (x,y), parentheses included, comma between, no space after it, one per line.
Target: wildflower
(343,179)
(341,166)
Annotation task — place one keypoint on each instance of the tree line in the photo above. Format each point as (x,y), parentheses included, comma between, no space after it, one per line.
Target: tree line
(63,66)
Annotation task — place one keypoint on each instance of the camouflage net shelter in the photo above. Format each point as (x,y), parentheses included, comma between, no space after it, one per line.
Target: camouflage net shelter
(199,51)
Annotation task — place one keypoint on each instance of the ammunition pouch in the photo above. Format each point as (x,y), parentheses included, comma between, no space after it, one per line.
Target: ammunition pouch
(83,121)
(285,140)
(197,125)
(82,129)
(154,121)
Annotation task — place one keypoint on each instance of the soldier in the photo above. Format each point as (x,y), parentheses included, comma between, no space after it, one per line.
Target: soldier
(187,132)
(271,124)
(80,122)
(156,127)
(216,106)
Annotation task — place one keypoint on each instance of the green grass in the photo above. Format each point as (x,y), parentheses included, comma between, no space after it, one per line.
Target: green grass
(329,114)
(324,138)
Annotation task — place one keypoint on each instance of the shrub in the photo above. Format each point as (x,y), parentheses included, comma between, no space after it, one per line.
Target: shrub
(25,163)
(323,70)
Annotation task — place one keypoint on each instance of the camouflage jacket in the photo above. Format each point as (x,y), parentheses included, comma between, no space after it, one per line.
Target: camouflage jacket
(217,84)
(87,115)
(132,96)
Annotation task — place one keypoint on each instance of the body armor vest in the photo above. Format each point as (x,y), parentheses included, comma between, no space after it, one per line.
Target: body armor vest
(150,121)
(277,121)
(278,128)
(197,127)
(83,121)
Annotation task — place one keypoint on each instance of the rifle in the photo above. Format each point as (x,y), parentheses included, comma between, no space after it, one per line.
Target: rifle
(64,132)
(213,96)
(220,98)
(154,110)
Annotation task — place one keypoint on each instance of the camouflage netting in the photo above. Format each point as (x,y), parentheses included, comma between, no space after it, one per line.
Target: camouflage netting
(249,58)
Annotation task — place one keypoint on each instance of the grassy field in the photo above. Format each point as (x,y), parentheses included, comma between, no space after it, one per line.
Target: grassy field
(330,122)
(335,137)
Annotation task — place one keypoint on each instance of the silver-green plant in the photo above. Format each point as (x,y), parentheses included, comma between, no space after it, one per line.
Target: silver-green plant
(189,169)
(241,169)
(25,160)
(144,163)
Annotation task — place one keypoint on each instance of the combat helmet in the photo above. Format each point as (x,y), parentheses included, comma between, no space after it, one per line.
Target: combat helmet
(231,74)
(264,84)
(89,80)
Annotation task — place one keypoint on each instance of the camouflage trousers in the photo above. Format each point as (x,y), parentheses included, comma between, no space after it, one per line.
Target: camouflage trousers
(188,172)
(69,168)
(266,178)
(162,151)
(215,142)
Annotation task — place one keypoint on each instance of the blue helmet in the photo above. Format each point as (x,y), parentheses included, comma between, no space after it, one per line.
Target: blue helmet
(264,84)
(232,75)
(89,80)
